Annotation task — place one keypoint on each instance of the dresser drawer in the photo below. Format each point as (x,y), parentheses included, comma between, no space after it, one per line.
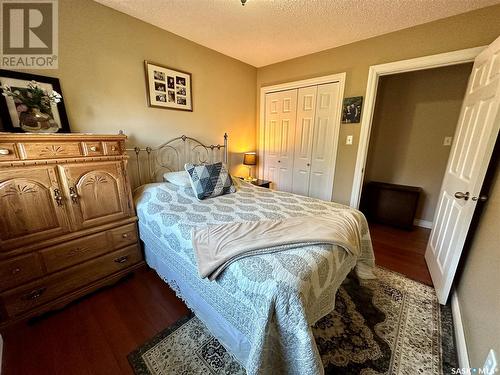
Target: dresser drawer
(93,148)
(123,236)
(27,297)
(112,148)
(52,150)
(8,151)
(19,270)
(74,252)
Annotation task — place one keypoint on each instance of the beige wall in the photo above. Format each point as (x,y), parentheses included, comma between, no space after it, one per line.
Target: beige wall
(102,78)
(471,29)
(413,114)
(479,286)
(101,71)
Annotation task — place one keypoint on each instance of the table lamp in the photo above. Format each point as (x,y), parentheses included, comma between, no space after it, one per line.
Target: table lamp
(249,159)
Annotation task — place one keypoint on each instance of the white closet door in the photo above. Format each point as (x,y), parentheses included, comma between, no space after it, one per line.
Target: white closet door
(271,139)
(281,113)
(324,151)
(304,131)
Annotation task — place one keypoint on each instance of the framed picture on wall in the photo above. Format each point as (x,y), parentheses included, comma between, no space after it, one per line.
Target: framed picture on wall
(351,110)
(31,104)
(167,87)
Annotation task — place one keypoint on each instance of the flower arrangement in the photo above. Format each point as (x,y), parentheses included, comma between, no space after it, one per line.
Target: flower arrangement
(33,105)
(32,97)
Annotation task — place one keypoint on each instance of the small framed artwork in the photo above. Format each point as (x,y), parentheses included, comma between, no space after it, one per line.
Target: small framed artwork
(168,88)
(351,110)
(31,104)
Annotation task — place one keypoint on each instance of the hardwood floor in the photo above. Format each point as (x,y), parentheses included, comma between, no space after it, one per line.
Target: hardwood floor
(94,335)
(402,251)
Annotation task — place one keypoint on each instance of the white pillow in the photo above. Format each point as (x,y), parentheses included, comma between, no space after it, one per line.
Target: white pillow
(180,178)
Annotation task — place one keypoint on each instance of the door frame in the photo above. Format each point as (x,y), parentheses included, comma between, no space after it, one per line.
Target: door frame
(375,72)
(331,78)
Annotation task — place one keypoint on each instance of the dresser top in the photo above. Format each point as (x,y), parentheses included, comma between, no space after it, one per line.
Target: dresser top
(43,137)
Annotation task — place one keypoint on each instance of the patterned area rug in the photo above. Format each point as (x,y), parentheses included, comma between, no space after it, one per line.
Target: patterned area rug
(391,325)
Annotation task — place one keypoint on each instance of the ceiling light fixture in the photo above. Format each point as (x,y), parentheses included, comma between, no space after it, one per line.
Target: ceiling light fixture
(243,2)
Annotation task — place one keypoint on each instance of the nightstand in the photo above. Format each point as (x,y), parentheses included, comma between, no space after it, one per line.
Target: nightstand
(261,183)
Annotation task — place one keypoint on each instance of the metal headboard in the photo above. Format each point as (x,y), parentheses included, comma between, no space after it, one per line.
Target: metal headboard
(172,155)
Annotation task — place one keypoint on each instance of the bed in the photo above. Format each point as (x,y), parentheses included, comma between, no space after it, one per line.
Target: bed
(261,307)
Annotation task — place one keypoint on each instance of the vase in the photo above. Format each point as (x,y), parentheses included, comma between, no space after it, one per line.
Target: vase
(34,120)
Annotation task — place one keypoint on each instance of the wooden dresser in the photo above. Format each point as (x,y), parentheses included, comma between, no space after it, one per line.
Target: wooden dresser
(67,220)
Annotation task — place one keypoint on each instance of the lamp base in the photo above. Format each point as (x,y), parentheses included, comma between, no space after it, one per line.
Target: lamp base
(249,179)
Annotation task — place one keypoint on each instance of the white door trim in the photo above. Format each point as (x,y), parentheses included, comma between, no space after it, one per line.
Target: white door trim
(339,77)
(377,71)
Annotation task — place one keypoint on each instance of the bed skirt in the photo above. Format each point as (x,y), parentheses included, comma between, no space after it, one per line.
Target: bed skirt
(229,336)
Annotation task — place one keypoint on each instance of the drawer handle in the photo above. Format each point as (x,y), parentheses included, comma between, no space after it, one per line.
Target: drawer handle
(58,197)
(113,148)
(34,294)
(15,271)
(93,148)
(73,194)
(76,250)
(125,235)
(122,259)
(4,151)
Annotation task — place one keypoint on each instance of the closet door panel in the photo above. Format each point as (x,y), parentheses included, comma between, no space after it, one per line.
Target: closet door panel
(285,162)
(281,113)
(288,118)
(271,138)
(304,131)
(324,150)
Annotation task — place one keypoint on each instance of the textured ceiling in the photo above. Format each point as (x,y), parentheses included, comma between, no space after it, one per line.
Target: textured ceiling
(267,31)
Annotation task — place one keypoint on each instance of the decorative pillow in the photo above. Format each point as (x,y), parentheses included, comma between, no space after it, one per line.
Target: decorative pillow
(180,178)
(210,180)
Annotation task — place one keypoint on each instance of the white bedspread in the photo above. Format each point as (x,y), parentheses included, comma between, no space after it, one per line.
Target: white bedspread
(272,299)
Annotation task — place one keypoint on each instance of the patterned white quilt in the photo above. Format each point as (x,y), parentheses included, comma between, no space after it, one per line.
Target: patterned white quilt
(272,299)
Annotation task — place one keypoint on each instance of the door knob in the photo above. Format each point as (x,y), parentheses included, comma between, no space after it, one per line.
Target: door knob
(308,164)
(464,196)
(279,161)
(481,198)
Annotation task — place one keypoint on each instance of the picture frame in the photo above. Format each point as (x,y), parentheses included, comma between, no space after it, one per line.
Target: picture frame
(10,115)
(168,87)
(351,110)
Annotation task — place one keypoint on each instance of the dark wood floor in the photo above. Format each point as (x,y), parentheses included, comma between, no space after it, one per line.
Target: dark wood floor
(94,335)
(402,251)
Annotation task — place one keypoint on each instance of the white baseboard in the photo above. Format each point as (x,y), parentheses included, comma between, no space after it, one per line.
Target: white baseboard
(463,356)
(423,223)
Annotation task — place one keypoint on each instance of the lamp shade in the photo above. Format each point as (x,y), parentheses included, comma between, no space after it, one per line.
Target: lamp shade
(250,158)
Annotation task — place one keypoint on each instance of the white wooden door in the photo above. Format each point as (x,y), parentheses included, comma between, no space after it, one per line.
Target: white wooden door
(280,118)
(325,140)
(304,131)
(476,133)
